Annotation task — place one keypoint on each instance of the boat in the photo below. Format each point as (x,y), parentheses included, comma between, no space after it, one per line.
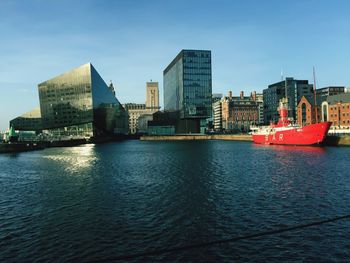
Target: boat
(285,132)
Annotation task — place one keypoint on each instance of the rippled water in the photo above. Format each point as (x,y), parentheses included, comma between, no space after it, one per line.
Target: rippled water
(99,202)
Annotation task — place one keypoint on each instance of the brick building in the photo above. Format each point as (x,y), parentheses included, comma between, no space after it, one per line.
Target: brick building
(335,108)
(306,113)
(339,110)
(239,113)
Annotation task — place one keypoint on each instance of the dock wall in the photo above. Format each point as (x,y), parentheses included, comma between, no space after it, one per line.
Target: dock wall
(196,137)
(330,141)
(337,141)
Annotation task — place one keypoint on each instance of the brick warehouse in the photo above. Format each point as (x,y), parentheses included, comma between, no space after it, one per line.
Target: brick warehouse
(339,110)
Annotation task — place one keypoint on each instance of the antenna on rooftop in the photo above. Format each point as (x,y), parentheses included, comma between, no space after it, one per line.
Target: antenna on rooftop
(281,74)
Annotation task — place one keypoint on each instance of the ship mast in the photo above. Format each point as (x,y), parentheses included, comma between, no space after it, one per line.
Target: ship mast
(286,96)
(285,89)
(316,113)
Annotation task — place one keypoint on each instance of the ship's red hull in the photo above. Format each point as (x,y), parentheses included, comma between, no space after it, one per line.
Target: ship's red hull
(313,134)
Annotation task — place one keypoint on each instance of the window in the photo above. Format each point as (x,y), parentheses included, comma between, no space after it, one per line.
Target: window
(303,113)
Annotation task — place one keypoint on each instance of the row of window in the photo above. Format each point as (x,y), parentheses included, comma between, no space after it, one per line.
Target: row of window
(194,74)
(341,122)
(195,54)
(336,115)
(343,107)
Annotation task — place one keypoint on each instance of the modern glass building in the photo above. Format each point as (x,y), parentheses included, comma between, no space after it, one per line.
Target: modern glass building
(188,84)
(295,90)
(29,121)
(79,103)
(330,91)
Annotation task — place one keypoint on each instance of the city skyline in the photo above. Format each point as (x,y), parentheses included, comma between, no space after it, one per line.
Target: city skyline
(131,44)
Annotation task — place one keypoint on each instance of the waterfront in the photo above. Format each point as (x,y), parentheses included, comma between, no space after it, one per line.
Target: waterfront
(99,202)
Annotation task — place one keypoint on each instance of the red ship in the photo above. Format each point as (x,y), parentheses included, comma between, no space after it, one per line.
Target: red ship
(287,133)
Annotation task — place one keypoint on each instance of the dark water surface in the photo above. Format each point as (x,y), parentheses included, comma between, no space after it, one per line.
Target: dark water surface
(99,202)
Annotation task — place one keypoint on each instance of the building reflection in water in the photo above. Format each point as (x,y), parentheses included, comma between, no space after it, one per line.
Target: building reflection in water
(75,159)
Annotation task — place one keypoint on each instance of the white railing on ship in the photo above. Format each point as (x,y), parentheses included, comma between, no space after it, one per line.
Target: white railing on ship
(339,131)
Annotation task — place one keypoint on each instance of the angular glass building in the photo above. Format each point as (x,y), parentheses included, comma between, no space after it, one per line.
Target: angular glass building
(79,103)
(29,121)
(188,84)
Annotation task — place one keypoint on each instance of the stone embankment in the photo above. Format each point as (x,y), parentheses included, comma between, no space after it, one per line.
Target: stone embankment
(330,141)
(337,141)
(228,137)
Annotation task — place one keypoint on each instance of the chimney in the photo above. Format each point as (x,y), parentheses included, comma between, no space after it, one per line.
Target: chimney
(254,96)
(230,94)
(242,95)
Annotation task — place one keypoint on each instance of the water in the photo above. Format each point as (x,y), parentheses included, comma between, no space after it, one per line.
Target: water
(99,202)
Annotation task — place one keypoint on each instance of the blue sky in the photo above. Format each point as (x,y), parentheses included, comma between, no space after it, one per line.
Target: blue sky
(131,42)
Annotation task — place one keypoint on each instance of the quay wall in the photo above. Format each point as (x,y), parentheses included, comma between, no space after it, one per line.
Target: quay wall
(330,141)
(344,140)
(337,141)
(196,137)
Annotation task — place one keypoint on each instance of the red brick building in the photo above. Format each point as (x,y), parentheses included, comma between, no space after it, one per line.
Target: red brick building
(306,112)
(335,108)
(339,110)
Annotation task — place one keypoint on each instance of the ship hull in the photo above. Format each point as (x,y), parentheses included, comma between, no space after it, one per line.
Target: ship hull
(313,134)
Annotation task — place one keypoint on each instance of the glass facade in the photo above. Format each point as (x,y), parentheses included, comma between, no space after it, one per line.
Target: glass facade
(79,102)
(30,121)
(295,90)
(188,84)
(66,100)
(173,84)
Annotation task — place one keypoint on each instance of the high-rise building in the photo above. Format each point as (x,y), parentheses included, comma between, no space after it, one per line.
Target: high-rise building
(295,90)
(79,103)
(152,96)
(188,84)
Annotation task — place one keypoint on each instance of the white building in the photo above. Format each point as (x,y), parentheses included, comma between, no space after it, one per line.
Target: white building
(217,115)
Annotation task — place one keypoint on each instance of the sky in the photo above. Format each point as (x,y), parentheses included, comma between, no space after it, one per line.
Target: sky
(132,42)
